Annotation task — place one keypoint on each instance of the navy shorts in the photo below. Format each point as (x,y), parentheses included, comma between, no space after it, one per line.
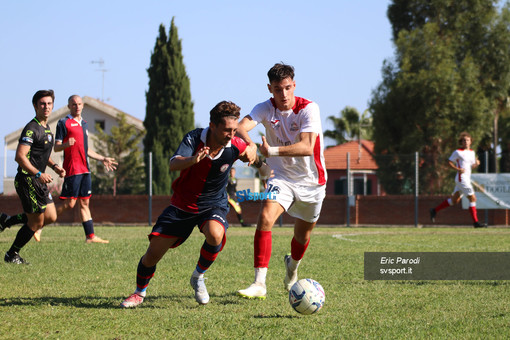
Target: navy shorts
(34,195)
(77,186)
(174,222)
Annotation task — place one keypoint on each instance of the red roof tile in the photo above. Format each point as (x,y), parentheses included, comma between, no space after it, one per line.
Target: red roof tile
(361,156)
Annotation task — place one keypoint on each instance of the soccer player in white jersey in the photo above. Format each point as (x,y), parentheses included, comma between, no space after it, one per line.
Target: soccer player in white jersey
(294,149)
(462,160)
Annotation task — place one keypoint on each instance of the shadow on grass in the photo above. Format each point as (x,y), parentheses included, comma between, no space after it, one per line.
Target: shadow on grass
(276,316)
(91,302)
(78,302)
(87,302)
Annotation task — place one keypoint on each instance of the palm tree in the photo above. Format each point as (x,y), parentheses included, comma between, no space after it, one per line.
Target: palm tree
(350,125)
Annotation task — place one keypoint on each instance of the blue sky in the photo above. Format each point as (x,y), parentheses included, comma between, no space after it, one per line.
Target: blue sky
(337,47)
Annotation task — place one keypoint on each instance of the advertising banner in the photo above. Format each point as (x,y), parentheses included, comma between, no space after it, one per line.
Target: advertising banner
(492,191)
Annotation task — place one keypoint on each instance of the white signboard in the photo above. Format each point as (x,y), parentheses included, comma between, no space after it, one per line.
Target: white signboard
(492,191)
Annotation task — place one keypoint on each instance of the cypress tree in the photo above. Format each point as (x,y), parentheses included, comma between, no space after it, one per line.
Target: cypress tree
(169,110)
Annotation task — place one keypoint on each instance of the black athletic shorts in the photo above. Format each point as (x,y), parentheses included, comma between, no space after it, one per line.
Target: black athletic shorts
(34,195)
(174,222)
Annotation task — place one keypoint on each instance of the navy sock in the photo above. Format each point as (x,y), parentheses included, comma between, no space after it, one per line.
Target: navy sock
(143,276)
(208,255)
(88,227)
(24,235)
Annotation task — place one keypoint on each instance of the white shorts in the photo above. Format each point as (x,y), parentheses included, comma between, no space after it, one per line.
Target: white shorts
(465,188)
(303,202)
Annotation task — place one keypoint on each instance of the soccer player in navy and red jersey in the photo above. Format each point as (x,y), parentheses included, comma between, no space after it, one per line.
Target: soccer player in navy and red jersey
(72,138)
(31,182)
(204,159)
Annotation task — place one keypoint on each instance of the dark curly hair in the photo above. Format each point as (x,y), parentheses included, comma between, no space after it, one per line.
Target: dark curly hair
(222,110)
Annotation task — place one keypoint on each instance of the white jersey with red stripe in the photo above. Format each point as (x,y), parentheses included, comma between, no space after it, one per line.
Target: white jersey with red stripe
(283,128)
(464,159)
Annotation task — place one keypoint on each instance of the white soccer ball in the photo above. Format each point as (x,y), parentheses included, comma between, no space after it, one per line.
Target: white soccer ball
(307,296)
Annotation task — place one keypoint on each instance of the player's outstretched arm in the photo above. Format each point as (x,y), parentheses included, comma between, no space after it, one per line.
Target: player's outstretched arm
(109,163)
(245,125)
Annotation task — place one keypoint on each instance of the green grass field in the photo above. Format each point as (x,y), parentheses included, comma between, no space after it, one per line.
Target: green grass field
(72,290)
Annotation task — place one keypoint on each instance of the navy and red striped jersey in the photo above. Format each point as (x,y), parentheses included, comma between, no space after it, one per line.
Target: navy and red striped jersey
(203,185)
(75,157)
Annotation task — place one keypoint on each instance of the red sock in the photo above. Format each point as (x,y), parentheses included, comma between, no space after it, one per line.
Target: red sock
(444,204)
(297,249)
(262,247)
(474,215)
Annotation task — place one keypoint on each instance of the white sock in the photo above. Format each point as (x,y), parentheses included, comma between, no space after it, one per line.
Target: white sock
(260,275)
(293,264)
(197,274)
(140,292)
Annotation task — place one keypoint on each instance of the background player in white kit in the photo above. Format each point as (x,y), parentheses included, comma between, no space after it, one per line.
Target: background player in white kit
(294,151)
(462,160)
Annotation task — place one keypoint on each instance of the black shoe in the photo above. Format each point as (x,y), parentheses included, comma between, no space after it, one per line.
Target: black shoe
(432,215)
(3,220)
(479,225)
(15,258)
(246,225)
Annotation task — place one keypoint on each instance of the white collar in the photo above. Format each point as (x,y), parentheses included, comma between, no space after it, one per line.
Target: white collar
(203,138)
(70,116)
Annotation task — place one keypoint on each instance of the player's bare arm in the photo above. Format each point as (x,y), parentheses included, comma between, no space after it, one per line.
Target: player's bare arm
(304,147)
(454,167)
(109,163)
(57,168)
(59,146)
(245,125)
(180,162)
(22,159)
(264,169)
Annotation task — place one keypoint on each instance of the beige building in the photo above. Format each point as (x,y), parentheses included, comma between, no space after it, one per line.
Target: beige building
(94,112)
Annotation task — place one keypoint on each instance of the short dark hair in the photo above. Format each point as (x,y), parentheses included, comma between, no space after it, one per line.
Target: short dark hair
(279,72)
(223,110)
(42,93)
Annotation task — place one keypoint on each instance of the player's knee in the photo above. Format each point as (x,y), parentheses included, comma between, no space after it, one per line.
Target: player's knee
(50,219)
(84,203)
(266,220)
(151,258)
(50,215)
(215,236)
